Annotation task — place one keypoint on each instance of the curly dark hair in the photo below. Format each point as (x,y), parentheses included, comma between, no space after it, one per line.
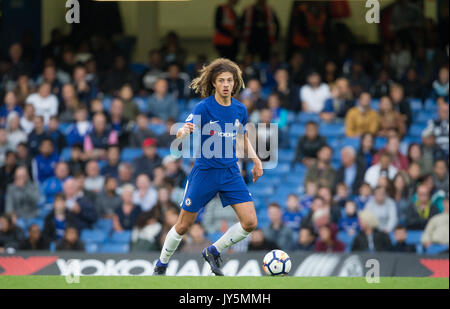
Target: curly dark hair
(208,74)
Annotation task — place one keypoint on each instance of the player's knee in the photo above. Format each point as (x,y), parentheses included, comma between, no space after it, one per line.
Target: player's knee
(181,228)
(249,225)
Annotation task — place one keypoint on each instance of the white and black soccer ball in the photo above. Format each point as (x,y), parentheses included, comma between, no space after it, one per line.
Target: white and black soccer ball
(277,263)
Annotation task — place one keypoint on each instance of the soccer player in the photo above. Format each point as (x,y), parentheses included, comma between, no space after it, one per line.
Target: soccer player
(221,118)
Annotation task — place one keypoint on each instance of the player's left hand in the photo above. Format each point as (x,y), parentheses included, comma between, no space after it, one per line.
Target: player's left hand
(257,172)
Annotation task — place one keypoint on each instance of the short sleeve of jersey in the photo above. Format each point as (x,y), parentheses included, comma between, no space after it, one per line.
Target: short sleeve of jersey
(197,111)
(242,130)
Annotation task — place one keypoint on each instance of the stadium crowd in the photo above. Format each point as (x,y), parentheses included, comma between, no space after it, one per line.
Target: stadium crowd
(362,161)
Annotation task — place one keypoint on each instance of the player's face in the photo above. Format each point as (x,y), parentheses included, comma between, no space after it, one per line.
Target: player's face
(224,84)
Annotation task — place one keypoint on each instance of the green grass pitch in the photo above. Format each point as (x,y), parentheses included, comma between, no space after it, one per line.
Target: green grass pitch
(148,282)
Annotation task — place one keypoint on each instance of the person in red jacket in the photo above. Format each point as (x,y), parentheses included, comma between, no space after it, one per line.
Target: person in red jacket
(226,36)
(328,241)
(399,160)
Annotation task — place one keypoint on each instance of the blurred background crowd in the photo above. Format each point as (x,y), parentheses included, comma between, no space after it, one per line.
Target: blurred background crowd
(363,134)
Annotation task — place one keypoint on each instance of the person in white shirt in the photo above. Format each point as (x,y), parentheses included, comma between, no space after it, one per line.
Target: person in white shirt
(383,207)
(45,103)
(94,182)
(314,94)
(27,119)
(15,134)
(145,194)
(383,167)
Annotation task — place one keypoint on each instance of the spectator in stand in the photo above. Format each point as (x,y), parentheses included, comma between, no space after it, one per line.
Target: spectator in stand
(341,195)
(401,105)
(361,118)
(23,157)
(440,175)
(351,172)
(390,119)
(261,29)
(69,104)
(440,85)
(252,93)
(37,135)
(57,220)
(292,215)
(146,232)
(145,196)
(150,159)
(9,105)
(401,194)
(44,163)
(174,171)
(349,221)
(359,80)
(77,162)
(339,102)
(76,133)
(367,150)
(107,201)
(321,172)
(370,238)
(126,215)
(86,89)
(118,76)
(399,160)
(314,94)
(94,181)
(196,239)
(400,58)
(26,121)
(22,195)
(286,90)
(430,151)
(111,168)
(154,71)
(24,88)
(18,63)
(306,240)
(15,134)
(259,243)
(172,51)
(4,147)
(383,168)
(217,219)
(54,185)
(279,114)
(328,241)
(162,105)
(10,234)
(412,85)
(118,122)
(97,141)
(383,207)
(436,230)
(130,108)
(71,241)
(45,103)
(415,156)
(177,82)
(311,188)
(58,138)
(309,145)
(35,241)
(400,245)
(79,205)
(142,132)
(420,211)
(277,232)
(440,127)
(327,196)
(7,172)
(125,174)
(382,85)
(165,139)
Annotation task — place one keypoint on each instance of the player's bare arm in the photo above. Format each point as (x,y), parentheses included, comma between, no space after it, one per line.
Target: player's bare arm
(257,170)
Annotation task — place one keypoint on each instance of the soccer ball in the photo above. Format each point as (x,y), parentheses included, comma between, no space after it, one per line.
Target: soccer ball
(277,263)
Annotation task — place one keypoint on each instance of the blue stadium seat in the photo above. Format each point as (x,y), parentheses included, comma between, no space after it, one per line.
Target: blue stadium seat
(415,104)
(424,117)
(123,237)
(430,105)
(332,129)
(129,154)
(157,128)
(294,179)
(105,225)
(115,248)
(380,142)
(436,249)
(270,181)
(22,223)
(142,104)
(162,152)
(416,129)
(91,247)
(375,104)
(65,154)
(106,102)
(351,141)
(333,142)
(306,117)
(296,130)
(138,68)
(300,168)
(286,155)
(64,126)
(96,236)
(413,237)
(346,239)
(213,237)
(38,221)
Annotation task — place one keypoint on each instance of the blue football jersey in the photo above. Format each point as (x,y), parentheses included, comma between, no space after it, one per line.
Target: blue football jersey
(218,126)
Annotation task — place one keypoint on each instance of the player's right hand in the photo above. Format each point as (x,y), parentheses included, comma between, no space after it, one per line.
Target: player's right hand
(187,129)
